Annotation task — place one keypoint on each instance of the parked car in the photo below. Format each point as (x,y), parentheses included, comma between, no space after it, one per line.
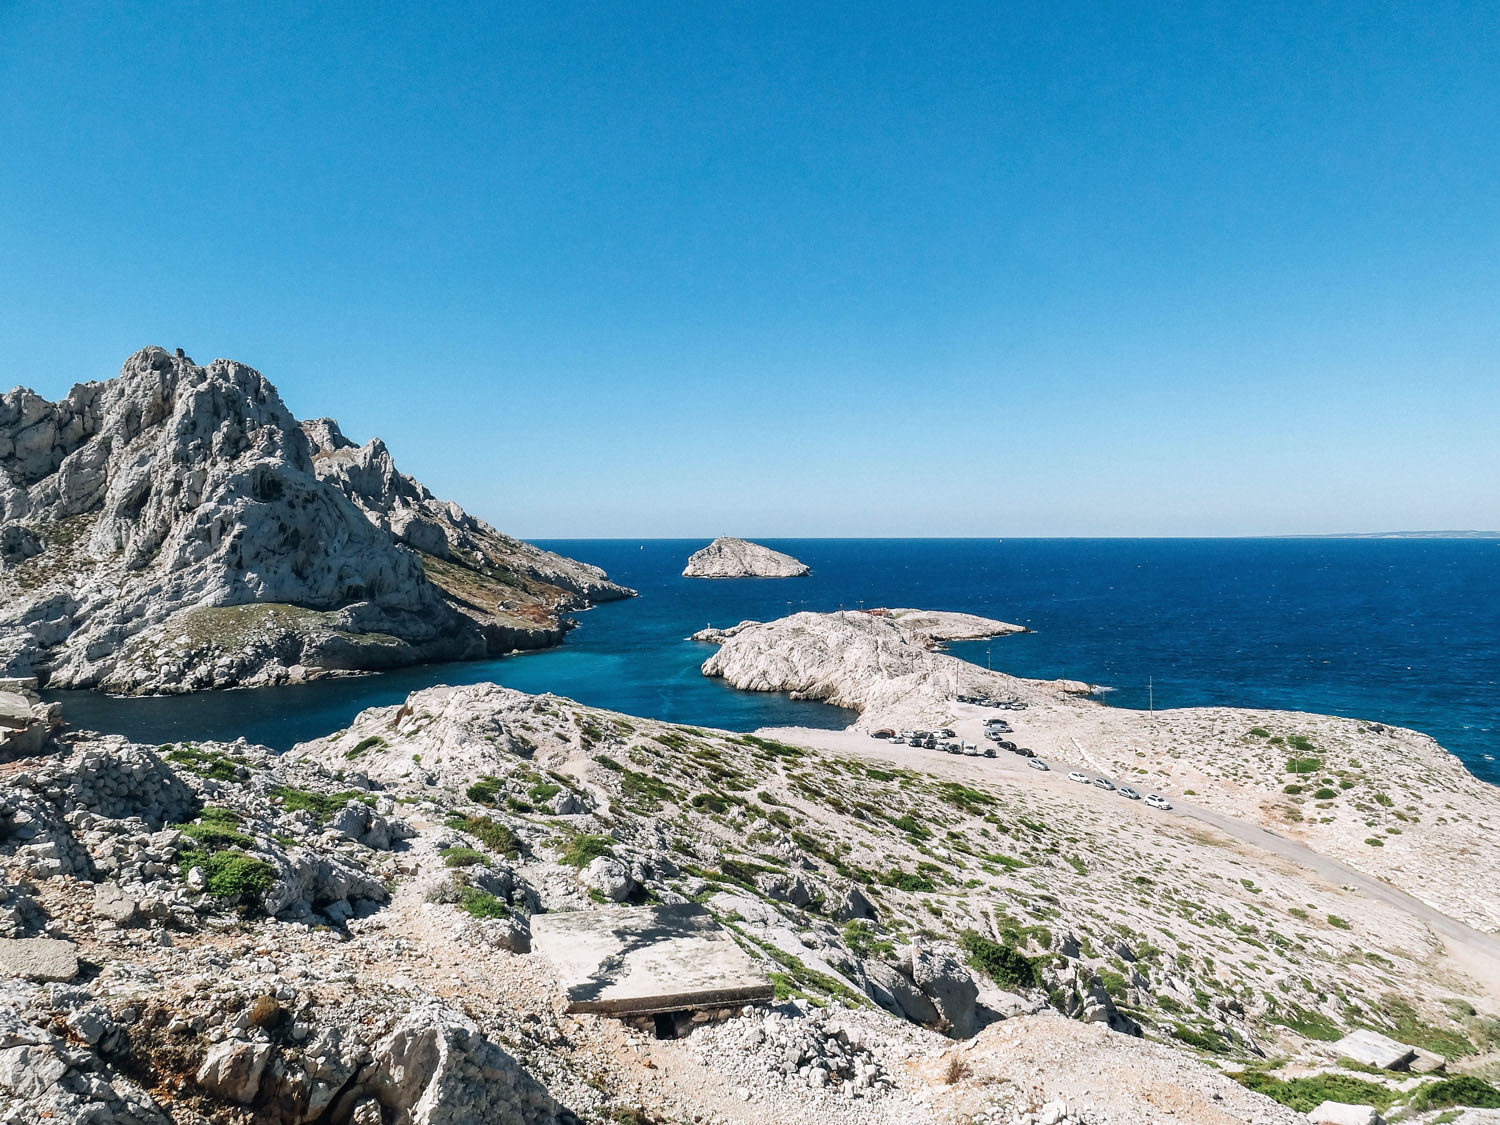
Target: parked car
(883,732)
(1156,801)
(946,733)
(971,749)
(1006,744)
(1078,776)
(1126,791)
(908,734)
(1025,752)
(1038,764)
(929,742)
(989,751)
(1104,783)
(998,725)
(898,741)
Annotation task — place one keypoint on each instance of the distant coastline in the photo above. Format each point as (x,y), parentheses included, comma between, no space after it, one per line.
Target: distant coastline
(1398,535)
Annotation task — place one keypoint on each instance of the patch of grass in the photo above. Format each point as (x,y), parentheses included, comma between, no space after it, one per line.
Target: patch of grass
(1300,743)
(211,764)
(482,904)
(964,798)
(230,873)
(1462,1090)
(1260,732)
(908,824)
(1304,765)
(860,937)
(1003,964)
(1375,841)
(1309,1025)
(491,833)
(908,881)
(321,805)
(1303,1094)
(1203,1038)
(485,791)
(215,836)
(583,849)
(1338,923)
(364,745)
(1325,794)
(1383,800)
(462,857)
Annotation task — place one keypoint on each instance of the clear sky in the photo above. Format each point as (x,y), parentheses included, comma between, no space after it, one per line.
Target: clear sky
(790,269)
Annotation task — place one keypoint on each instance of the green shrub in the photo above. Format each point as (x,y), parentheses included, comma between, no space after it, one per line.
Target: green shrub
(1337,923)
(1303,765)
(1203,1038)
(491,833)
(321,805)
(482,904)
(1260,732)
(365,744)
(1003,964)
(1310,1025)
(462,857)
(214,836)
(584,849)
(1324,794)
(908,881)
(543,791)
(1300,743)
(1293,789)
(230,873)
(485,791)
(1463,1090)
(218,814)
(205,763)
(1303,1094)
(1384,800)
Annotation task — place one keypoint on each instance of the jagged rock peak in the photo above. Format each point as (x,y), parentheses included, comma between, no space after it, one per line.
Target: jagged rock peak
(727,557)
(176,528)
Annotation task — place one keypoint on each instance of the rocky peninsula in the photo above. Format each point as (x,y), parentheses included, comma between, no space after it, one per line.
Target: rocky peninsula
(175,528)
(727,557)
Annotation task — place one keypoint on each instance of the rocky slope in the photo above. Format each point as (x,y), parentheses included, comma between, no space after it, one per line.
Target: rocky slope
(210,932)
(727,557)
(883,664)
(175,529)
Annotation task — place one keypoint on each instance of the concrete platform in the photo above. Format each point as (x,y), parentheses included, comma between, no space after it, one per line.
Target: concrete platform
(641,960)
(1374,1049)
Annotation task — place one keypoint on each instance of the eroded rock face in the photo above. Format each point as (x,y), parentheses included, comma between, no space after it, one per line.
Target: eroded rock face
(727,557)
(170,530)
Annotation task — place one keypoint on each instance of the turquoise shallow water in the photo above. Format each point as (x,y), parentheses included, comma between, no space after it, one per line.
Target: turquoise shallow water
(1399,631)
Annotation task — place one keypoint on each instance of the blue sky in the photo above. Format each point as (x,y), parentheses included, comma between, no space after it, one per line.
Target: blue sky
(691,269)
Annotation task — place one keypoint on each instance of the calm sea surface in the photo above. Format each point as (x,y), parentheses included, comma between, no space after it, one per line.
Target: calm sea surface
(1398,631)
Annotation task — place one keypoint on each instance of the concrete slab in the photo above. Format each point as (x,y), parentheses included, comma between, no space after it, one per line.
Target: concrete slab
(38,959)
(1374,1049)
(639,960)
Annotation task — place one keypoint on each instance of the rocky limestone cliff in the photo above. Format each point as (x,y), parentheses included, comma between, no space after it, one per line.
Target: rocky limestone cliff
(728,557)
(873,662)
(169,530)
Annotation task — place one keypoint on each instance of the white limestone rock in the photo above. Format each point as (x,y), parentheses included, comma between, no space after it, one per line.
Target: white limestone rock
(175,529)
(727,557)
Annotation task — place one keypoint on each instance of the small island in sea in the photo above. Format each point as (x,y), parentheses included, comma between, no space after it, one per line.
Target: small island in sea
(727,557)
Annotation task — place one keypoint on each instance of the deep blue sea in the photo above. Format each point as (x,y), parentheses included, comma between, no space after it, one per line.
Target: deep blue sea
(1403,631)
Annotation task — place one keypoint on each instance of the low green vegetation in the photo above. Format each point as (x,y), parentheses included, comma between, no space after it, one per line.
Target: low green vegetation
(212,764)
(485,791)
(230,873)
(583,849)
(1464,1090)
(1003,964)
(1303,1094)
(462,857)
(322,805)
(491,833)
(482,904)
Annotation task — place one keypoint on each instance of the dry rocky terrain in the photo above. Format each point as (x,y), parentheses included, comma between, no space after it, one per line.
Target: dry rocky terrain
(340,934)
(175,529)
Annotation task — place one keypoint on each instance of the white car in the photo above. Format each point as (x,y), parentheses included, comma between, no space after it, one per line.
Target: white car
(1156,801)
(1037,764)
(1080,777)
(971,750)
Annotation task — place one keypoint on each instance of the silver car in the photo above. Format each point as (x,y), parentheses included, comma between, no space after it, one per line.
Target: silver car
(1037,764)
(1104,783)
(1126,791)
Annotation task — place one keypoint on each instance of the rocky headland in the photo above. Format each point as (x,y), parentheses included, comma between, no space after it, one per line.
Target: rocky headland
(727,557)
(175,528)
(885,664)
(341,934)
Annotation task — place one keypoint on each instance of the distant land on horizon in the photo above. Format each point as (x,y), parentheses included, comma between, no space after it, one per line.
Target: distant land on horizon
(1403,535)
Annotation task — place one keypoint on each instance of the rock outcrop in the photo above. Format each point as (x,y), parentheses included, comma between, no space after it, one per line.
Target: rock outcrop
(26,723)
(881,663)
(728,557)
(176,528)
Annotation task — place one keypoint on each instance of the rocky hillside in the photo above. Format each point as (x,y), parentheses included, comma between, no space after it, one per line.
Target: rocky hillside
(340,934)
(727,557)
(176,528)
